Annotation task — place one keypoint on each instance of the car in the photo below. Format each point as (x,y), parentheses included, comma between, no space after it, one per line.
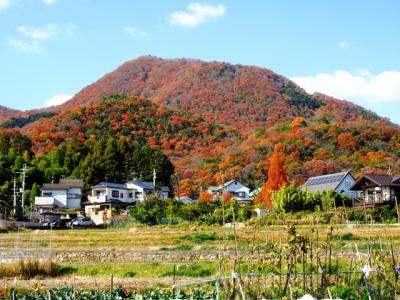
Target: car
(81,222)
(59,224)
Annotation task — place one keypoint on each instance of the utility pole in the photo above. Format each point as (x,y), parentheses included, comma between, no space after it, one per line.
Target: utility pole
(177,182)
(15,194)
(23,173)
(154,179)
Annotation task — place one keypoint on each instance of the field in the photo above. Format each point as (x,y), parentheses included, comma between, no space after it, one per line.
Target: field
(307,257)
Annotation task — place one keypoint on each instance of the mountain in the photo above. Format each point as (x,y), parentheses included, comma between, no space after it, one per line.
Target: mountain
(6,112)
(242,96)
(231,116)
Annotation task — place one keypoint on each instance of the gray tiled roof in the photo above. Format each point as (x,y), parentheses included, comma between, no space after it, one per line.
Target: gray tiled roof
(324,182)
(110,185)
(143,185)
(64,184)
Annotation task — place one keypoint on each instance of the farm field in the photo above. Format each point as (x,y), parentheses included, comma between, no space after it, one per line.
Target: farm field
(142,255)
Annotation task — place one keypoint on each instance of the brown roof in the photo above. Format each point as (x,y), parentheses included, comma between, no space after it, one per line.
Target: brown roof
(375,180)
(64,184)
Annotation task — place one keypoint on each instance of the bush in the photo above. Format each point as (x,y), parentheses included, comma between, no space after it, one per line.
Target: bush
(28,269)
(150,212)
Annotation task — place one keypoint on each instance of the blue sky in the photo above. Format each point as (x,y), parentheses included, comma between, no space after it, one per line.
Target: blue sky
(50,49)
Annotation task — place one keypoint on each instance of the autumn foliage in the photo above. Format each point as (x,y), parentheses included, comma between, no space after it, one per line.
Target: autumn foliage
(276,175)
(207,116)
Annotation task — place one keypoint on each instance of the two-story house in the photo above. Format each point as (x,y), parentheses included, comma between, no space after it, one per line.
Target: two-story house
(106,196)
(234,188)
(377,190)
(66,194)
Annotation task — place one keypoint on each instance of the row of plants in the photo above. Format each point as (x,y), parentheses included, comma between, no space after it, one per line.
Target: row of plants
(113,294)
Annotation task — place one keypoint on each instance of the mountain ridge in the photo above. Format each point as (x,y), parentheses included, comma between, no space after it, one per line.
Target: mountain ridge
(237,114)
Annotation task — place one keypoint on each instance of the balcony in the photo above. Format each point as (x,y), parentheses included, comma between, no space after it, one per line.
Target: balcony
(373,201)
(98,199)
(44,201)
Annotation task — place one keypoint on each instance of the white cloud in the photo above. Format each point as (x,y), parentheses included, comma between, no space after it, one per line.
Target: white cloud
(57,100)
(25,46)
(32,37)
(49,2)
(196,14)
(39,34)
(361,86)
(343,44)
(4,4)
(133,31)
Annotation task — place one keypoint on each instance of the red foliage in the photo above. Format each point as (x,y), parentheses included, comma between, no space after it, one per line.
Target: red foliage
(276,175)
(206,197)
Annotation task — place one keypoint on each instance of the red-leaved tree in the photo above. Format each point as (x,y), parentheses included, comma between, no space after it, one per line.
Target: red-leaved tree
(276,175)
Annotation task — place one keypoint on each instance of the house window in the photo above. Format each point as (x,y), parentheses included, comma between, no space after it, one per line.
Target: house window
(47,194)
(138,195)
(130,195)
(114,194)
(241,194)
(98,193)
(121,195)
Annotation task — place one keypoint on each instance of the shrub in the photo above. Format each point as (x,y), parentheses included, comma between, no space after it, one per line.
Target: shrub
(28,269)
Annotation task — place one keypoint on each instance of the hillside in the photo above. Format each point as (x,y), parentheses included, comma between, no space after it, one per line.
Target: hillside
(246,97)
(6,113)
(208,116)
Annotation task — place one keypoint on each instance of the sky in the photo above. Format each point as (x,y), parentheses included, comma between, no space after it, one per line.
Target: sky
(50,49)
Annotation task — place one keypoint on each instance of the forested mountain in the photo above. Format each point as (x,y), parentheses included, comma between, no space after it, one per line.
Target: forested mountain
(6,112)
(210,116)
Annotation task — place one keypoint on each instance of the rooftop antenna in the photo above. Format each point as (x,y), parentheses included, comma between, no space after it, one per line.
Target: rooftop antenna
(106,177)
(389,172)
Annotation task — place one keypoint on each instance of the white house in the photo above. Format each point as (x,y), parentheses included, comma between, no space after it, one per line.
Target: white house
(236,189)
(106,196)
(338,182)
(65,194)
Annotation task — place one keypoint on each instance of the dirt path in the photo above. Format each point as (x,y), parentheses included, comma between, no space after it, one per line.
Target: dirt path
(98,283)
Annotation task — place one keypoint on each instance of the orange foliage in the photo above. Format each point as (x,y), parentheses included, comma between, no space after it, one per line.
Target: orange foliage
(276,175)
(206,197)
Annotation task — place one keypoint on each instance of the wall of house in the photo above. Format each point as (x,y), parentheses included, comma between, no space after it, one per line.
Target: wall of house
(121,192)
(139,194)
(60,197)
(236,187)
(376,193)
(246,194)
(345,185)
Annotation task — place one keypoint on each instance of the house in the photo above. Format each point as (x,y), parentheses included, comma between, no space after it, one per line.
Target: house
(66,194)
(185,199)
(338,182)
(107,196)
(377,190)
(236,189)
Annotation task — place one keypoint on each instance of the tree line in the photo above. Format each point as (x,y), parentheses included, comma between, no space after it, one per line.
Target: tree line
(105,158)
